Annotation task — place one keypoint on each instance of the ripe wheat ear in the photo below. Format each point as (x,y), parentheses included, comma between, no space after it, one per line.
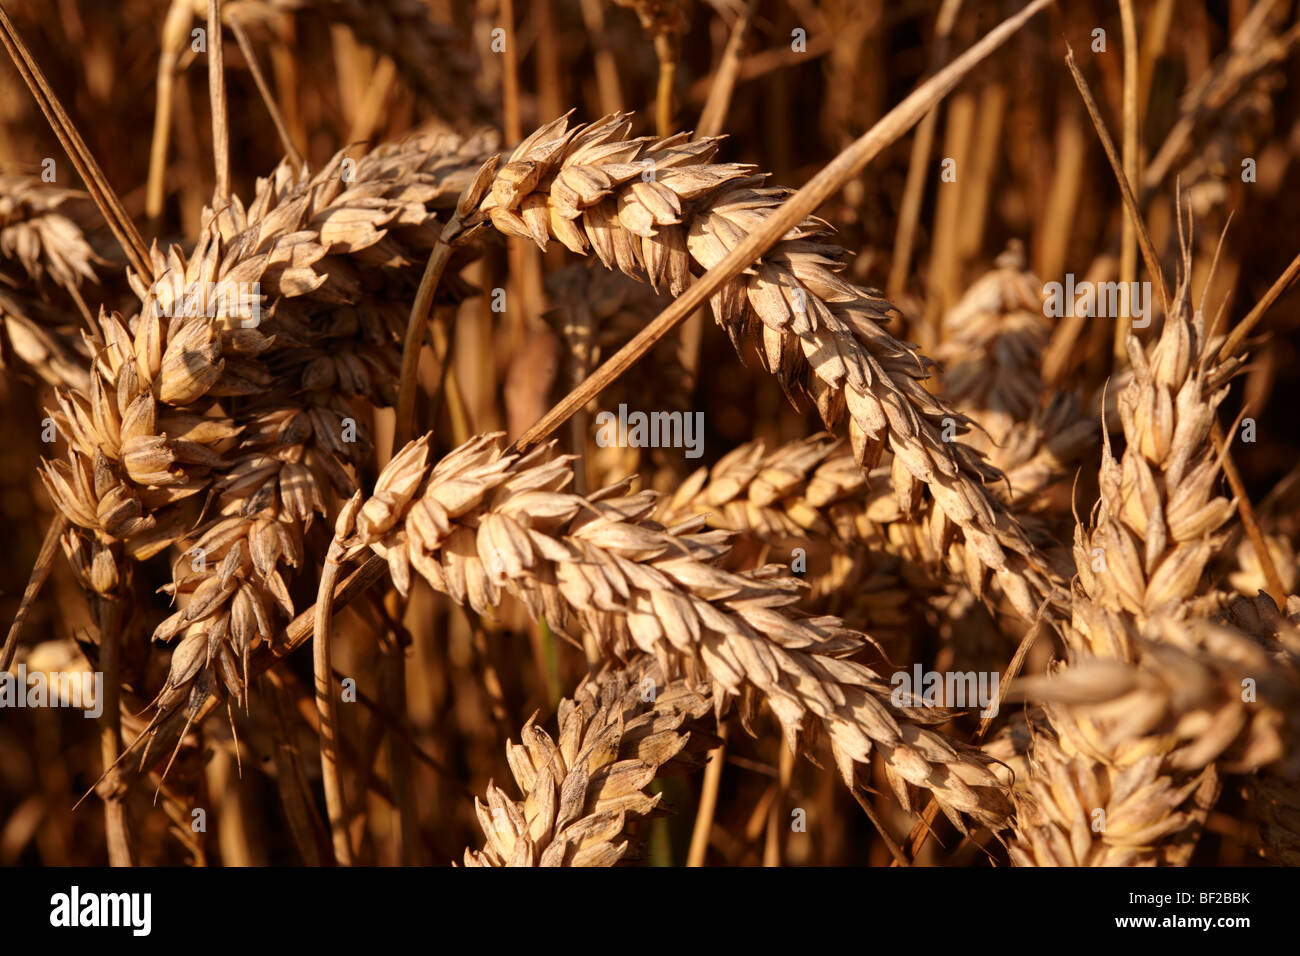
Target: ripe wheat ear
(658,209)
(617,732)
(479,524)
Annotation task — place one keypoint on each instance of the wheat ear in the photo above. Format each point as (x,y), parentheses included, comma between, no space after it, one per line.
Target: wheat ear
(42,230)
(480,524)
(44,260)
(1158,518)
(1143,686)
(995,336)
(579,790)
(182,441)
(660,209)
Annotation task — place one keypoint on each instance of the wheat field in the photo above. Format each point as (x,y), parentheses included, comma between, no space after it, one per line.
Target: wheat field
(650,432)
